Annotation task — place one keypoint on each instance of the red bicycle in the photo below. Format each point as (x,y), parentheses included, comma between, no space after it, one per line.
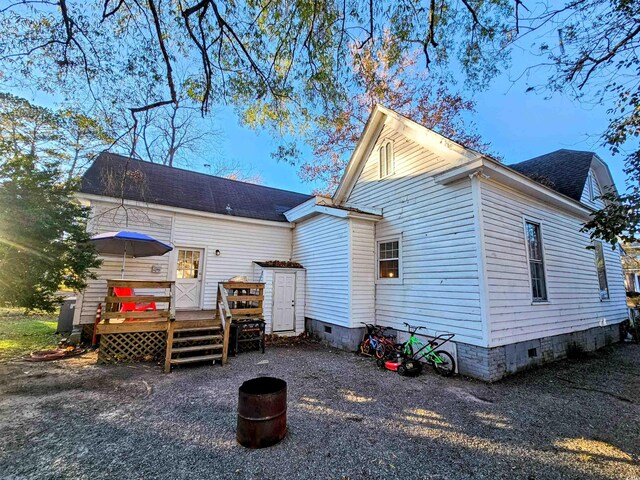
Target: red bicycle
(375,342)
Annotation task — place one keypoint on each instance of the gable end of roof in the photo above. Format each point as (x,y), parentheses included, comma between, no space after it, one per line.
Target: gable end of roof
(564,171)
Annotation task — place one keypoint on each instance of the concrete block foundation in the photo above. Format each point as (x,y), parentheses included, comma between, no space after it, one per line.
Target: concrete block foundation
(491,364)
(488,364)
(334,335)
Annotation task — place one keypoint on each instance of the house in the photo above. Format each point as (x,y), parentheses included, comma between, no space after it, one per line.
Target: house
(420,230)
(631,266)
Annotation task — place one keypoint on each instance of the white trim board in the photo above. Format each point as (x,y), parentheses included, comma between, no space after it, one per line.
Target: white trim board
(179,210)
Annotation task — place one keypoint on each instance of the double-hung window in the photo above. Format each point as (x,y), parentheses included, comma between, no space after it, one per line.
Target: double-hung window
(386,159)
(389,259)
(602,270)
(536,262)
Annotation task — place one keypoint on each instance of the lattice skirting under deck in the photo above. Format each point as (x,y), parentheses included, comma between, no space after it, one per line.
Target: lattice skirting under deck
(87,333)
(132,347)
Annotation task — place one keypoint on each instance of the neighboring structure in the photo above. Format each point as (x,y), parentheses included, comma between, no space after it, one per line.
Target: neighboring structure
(420,230)
(631,267)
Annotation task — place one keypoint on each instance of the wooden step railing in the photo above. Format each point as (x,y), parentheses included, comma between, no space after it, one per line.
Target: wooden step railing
(246,299)
(225,315)
(239,303)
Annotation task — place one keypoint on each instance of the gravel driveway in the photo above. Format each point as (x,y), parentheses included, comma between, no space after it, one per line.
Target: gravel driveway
(347,420)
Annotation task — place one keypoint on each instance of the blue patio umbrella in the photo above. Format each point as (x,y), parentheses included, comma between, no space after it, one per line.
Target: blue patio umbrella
(129,244)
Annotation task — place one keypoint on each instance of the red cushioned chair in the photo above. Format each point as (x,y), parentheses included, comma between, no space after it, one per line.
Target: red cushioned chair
(132,306)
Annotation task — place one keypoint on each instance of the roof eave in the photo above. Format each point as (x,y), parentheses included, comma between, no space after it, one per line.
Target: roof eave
(603,173)
(87,198)
(507,176)
(323,206)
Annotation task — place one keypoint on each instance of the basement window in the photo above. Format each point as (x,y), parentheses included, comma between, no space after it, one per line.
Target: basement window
(327,329)
(533,352)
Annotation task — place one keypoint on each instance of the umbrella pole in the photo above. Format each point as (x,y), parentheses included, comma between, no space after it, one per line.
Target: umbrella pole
(124,259)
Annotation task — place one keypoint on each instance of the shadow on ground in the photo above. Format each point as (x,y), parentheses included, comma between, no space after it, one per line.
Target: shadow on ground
(347,420)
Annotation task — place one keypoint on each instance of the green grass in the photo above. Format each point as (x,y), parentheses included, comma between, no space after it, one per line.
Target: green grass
(22,333)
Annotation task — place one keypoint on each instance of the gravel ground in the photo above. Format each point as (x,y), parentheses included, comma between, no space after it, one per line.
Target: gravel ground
(347,420)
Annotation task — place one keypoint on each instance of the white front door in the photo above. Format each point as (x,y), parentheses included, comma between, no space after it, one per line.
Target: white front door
(284,295)
(189,277)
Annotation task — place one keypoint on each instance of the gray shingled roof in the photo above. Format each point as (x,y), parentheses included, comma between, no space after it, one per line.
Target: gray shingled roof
(154,183)
(563,170)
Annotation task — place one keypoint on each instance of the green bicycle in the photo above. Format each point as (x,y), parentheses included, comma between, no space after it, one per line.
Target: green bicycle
(441,361)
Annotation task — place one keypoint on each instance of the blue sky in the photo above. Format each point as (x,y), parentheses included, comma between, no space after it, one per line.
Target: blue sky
(518,125)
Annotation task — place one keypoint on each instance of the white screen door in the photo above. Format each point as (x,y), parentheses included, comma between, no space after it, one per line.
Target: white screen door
(284,294)
(188,277)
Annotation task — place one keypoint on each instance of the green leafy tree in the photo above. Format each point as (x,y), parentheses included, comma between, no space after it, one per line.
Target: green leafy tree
(283,65)
(43,238)
(67,136)
(595,58)
(397,83)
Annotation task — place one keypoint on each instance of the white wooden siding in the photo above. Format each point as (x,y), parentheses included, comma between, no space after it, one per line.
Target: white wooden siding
(266,275)
(240,244)
(440,288)
(363,272)
(321,245)
(105,218)
(572,281)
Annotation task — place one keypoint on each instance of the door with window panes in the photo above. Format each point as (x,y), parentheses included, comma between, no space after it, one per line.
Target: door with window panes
(189,277)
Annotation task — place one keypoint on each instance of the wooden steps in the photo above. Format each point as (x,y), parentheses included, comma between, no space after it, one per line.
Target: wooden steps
(197,338)
(207,339)
(196,348)
(193,342)
(203,358)
(179,329)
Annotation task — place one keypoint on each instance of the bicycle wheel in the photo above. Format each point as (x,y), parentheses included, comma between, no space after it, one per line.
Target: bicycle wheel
(379,352)
(365,347)
(448,365)
(389,350)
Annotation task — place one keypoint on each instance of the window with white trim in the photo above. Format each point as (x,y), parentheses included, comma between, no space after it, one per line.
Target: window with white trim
(590,186)
(602,270)
(386,160)
(536,261)
(389,259)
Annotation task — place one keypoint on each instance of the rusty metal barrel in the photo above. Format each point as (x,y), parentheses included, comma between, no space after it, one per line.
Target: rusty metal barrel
(262,412)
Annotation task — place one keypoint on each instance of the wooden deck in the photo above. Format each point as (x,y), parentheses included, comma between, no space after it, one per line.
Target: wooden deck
(151,330)
(184,319)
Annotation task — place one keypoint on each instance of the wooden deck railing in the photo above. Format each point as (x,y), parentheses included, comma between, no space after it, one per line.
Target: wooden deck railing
(114,321)
(113,302)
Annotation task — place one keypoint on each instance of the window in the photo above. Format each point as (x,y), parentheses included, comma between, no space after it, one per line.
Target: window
(602,270)
(386,159)
(536,262)
(188,263)
(389,259)
(590,186)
